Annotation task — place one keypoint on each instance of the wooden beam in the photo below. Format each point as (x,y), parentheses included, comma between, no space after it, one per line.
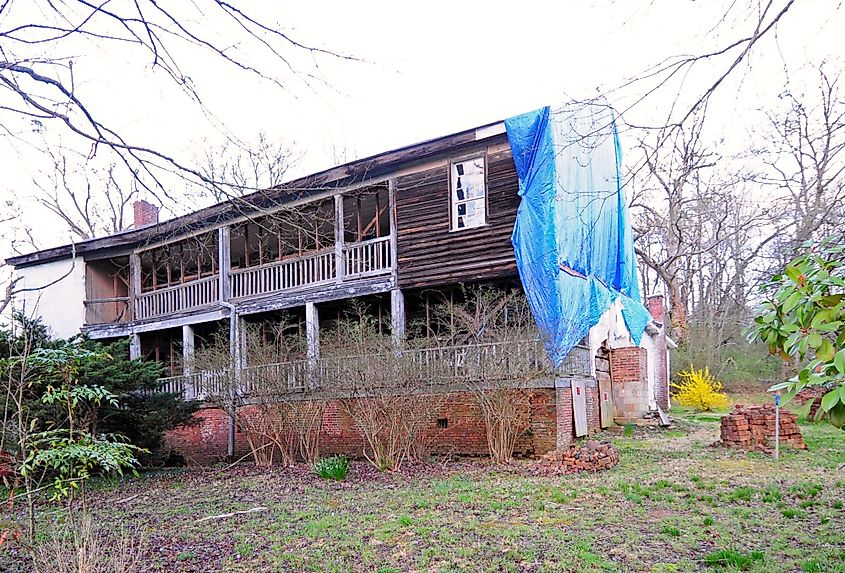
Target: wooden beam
(135,346)
(187,349)
(135,282)
(339,239)
(312,333)
(224,258)
(394,234)
(397,317)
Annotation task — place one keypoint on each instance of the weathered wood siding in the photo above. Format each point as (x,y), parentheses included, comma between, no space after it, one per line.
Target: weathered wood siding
(431,254)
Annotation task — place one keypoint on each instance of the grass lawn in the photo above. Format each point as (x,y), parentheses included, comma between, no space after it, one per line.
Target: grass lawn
(672,504)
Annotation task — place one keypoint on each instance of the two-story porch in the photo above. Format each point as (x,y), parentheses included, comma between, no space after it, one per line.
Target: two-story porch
(333,247)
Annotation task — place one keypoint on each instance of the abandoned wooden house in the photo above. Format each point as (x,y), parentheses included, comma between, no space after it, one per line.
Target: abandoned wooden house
(396,234)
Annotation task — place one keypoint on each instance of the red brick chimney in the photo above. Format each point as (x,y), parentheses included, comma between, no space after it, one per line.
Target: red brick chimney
(145,214)
(661,370)
(656,308)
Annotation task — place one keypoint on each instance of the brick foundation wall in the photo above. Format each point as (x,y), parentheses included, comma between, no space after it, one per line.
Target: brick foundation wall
(565,422)
(205,441)
(464,434)
(629,373)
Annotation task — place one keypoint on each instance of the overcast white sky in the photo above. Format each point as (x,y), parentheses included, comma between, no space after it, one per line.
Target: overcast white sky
(432,69)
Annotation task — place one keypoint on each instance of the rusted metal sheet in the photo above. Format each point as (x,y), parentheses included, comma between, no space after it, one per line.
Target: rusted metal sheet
(605,399)
(579,406)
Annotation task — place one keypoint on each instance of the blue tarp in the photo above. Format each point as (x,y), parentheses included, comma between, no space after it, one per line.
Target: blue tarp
(572,239)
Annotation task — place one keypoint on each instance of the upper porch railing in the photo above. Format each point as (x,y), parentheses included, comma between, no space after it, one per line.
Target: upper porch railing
(367,258)
(302,271)
(178,298)
(357,261)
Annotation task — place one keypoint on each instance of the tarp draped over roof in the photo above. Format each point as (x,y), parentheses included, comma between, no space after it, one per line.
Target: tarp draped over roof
(572,238)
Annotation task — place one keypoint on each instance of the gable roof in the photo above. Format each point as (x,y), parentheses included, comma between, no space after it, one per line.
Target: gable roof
(335,177)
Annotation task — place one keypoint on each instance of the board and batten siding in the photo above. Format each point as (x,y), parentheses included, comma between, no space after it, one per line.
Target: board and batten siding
(429,253)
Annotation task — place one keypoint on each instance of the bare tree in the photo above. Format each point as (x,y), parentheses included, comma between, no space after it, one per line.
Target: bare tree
(39,50)
(805,165)
(238,169)
(91,202)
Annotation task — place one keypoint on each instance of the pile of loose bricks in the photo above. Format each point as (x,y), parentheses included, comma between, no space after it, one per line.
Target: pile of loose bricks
(594,456)
(753,427)
(813,393)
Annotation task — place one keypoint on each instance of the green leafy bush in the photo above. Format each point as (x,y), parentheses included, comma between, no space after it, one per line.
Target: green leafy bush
(332,467)
(804,318)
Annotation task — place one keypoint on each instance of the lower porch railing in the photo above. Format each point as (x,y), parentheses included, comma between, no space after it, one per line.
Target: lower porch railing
(515,361)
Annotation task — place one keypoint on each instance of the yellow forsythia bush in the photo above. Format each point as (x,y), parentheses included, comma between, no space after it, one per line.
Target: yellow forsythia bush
(700,390)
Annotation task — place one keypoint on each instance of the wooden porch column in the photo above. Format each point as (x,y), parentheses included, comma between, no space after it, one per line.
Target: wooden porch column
(134,283)
(397,317)
(187,349)
(312,333)
(394,233)
(224,262)
(339,239)
(235,348)
(134,346)
(188,359)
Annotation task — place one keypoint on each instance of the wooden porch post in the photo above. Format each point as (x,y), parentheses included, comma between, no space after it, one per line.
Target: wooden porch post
(397,317)
(134,283)
(188,358)
(394,253)
(339,239)
(312,331)
(312,338)
(235,348)
(224,262)
(135,346)
(187,349)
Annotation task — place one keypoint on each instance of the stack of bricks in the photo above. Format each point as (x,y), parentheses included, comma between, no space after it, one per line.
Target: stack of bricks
(594,456)
(753,427)
(813,393)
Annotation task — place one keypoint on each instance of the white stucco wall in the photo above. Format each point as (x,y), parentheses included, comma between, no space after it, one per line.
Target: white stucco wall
(650,342)
(55,292)
(611,327)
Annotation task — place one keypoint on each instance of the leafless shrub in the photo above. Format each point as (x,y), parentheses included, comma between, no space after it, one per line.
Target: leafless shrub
(265,434)
(277,423)
(85,548)
(502,352)
(392,404)
(307,421)
(506,418)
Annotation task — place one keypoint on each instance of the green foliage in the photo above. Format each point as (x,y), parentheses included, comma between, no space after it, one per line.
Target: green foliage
(136,409)
(804,318)
(730,558)
(332,467)
(68,454)
(142,414)
(73,457)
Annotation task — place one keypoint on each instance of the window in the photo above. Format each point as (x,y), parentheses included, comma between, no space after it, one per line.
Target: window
(468,193)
